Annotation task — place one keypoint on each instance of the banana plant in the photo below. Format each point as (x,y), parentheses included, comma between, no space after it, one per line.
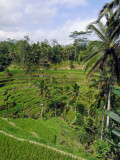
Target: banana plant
(116,117)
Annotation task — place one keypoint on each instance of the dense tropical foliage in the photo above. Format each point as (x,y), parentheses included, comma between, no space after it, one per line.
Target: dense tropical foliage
(45,81)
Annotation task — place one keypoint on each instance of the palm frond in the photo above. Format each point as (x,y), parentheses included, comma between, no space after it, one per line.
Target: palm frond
(91,56)
(107,7)
(116,67)
(104,10)
(92,27)
(116,33)
(97,65)
(102,28)
(91,62)
(116,91)
(85,53)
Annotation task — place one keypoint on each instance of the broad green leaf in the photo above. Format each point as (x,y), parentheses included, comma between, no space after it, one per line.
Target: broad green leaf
(116,91)
(114,116)
(116,132)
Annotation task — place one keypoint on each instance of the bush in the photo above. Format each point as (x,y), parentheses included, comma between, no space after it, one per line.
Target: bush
(101,149)
(85,136)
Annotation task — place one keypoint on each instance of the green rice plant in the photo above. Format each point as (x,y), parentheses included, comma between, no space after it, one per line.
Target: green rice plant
(11,149)
(13,109)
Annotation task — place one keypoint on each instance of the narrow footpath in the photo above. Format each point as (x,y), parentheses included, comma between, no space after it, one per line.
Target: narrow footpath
(43,145)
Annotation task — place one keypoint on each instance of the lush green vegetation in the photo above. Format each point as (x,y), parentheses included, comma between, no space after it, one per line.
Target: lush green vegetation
(53,132)
(13,149)
(63,96)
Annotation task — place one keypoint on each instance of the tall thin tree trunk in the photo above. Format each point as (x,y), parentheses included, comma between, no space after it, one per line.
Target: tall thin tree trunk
(103,119)
(42,109)
(108,106)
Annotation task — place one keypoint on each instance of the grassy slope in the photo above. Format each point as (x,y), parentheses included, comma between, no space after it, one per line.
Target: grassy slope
(12,149)
(52,132)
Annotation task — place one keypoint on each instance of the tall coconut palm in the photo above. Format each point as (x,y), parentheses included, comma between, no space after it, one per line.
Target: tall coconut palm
(42,90)
(102,54)
(55,95)
(102,51)
(114,19)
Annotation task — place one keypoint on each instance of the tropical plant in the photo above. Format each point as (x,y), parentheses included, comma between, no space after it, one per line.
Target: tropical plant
(42,89)
(114,20)
(100,83)
(55,96)
(69,53)
(75,95)
(115,116)
(114,136)
(102,54)
(102,149)
(80,42)
(5,60)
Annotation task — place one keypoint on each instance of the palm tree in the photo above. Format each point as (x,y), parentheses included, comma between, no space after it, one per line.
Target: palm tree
(114,5)
(79,40)
(55,95)
(99,82)
(102,54)
(102,50)
(43,91)
(75,95)
(69,53)
(28,70)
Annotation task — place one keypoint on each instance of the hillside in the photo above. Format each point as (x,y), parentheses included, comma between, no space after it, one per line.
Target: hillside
(18,96)
(60,98)
(20,111)
(36,139)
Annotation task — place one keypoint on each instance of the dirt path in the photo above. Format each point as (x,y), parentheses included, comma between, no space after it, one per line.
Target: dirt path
(43,145)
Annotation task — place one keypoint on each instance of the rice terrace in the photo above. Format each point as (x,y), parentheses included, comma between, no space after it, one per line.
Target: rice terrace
(60,80)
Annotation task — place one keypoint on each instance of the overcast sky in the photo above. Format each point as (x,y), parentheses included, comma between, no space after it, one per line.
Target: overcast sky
(46,19)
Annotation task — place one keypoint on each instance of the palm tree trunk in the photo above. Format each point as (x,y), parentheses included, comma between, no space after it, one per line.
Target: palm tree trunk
(103,119)
(42,109)
(108,106)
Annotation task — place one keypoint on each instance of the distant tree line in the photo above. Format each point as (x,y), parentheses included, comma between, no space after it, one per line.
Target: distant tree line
(28,54)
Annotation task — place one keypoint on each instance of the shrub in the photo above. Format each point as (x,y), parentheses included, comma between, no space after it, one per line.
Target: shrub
(85,136)
(101,149)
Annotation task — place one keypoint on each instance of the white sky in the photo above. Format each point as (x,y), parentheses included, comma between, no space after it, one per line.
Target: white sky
(46,19)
